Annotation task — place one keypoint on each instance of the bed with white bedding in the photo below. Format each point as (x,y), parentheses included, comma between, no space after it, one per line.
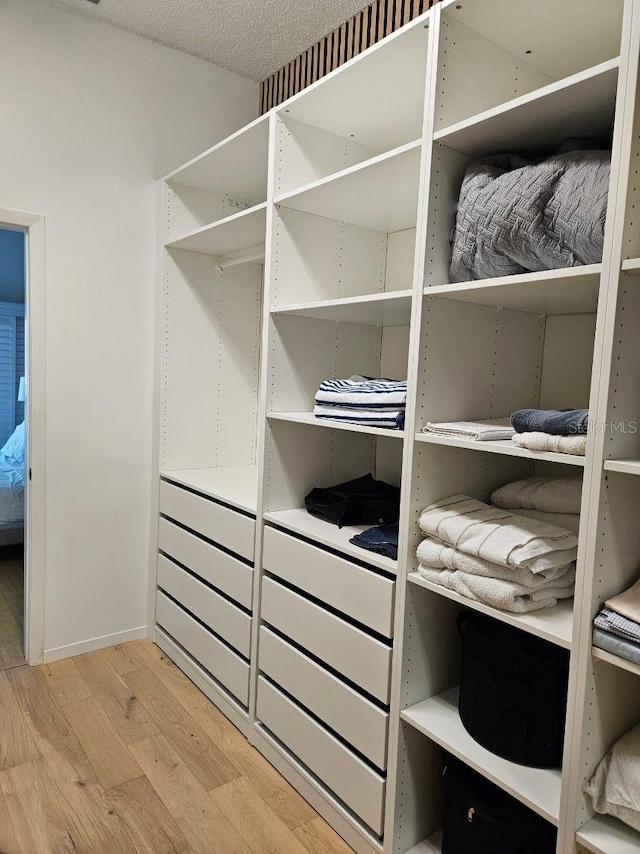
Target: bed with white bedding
(12,484)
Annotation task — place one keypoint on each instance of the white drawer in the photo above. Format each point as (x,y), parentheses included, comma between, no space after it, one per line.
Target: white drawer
(361,789)
(360,593)
(347,649)
(216,567)
(221,662)
(346,712)
(223,618)
(231,529)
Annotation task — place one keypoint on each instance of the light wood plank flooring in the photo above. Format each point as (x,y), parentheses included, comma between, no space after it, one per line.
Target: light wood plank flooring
(117,751)
(11,606)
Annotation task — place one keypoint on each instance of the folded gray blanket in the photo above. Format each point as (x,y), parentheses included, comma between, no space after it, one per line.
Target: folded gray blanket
(557,422)
(516,215)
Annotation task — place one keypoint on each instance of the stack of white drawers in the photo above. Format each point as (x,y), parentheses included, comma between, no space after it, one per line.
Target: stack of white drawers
(205,578)
(325,666)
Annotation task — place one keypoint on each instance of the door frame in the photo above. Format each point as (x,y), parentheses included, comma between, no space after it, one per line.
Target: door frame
(35,495)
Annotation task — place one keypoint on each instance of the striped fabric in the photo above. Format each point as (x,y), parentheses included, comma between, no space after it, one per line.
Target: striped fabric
(363,400)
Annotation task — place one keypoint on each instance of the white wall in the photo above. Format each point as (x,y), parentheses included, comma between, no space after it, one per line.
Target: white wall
(90,117)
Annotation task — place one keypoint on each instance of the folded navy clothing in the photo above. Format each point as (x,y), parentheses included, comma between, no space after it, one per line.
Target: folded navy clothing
(556,422)
(383,540)
(616,645)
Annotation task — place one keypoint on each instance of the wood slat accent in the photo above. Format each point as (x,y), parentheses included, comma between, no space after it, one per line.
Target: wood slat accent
(365,28)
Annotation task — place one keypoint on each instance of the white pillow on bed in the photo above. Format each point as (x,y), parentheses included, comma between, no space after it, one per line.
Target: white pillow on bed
(14,446)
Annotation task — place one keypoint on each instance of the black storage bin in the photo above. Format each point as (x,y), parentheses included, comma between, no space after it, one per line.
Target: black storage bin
(479,818)
(513,691)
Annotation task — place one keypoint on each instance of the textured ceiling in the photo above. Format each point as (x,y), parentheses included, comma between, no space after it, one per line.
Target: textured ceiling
(250,37)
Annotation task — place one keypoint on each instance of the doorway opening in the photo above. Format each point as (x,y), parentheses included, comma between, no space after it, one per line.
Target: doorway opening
(13,446)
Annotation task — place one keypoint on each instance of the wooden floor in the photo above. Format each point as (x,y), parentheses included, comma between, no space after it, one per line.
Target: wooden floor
(117,751)
(11,606)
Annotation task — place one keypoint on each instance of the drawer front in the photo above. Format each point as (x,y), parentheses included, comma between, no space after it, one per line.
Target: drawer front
(221,524)
(346,712)
(223,618)
(217,568)
(221,662)
(361,789)
(352,652)
(360,593)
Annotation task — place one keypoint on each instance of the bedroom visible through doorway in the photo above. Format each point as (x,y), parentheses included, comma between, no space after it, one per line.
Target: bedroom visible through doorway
(12,444)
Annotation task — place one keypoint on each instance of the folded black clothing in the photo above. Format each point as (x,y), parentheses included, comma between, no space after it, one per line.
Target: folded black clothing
(363,501)
(556,422)
(383,540)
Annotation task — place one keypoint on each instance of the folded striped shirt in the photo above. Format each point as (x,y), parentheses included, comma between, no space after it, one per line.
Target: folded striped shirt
(390,418)
(363,392)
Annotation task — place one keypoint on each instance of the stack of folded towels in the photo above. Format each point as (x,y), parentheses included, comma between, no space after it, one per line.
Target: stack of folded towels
(617,625)
(514,561)
(563,431)
(363,400)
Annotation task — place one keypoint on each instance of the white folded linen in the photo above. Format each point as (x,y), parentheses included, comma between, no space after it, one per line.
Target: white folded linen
(548,494)
(488,430)
(575,445)
(437,555)
(504,595)
(569,521)
(497,535)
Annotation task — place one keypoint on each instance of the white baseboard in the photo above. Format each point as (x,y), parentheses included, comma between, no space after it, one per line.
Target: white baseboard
(92,644)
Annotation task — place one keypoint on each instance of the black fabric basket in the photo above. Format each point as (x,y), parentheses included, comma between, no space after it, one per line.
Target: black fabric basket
(513,691)
(479,818)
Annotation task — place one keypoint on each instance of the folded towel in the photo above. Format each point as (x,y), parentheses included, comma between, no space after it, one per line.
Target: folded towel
(616,645)
(497,535)
(549,494)
(618,625)
(490,430)
(364,392)
(383,539)
(575,445)
(569,521)
(504,595)
(392,419)
(437,555)
(558,422)
(627,604)
(615,786)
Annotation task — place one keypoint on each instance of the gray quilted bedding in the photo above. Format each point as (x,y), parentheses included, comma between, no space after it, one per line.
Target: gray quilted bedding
(516,215)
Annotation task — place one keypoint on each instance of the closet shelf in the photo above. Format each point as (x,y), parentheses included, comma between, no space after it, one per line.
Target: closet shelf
(606,835)
(432,845)
(616,660)
(630,466)
(228,236)
(551,624)
(390,308)
(381,193)
(375,98)
(502,446)
(300,522)
(439,720)
(573,290)
(631,264)
(582,105)
(309,418)
(233,485)
(236,166)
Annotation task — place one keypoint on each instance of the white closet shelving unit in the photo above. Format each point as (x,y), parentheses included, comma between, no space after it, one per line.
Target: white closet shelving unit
(340,665)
